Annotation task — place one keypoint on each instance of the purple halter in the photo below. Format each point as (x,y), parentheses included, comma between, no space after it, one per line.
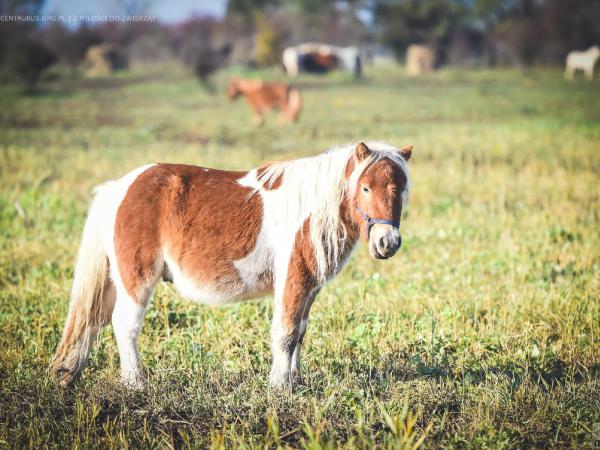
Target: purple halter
(370,221)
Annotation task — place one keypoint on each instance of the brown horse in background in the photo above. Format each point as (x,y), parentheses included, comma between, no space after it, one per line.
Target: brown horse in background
(263,96)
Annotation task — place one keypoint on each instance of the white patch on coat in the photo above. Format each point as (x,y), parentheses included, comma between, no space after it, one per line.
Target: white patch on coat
(276,237)
(253,267)
(190,288)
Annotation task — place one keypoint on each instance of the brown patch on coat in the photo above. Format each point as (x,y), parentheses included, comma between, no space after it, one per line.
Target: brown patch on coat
(203,218)
(300,280)
(263,96)
(269,186)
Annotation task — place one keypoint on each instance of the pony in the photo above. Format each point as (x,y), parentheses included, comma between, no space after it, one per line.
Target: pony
(319,63)
(223,236)
(321,58)
(582,60)
(263,96)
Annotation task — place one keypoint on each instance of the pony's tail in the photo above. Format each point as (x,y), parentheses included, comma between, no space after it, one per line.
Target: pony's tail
(90,306)
(294,105)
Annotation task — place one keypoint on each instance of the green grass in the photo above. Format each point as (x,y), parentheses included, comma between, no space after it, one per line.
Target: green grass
(483,332)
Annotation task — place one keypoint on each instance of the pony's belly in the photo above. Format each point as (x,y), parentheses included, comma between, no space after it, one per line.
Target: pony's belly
(230,287)
(217,295)
(206,295)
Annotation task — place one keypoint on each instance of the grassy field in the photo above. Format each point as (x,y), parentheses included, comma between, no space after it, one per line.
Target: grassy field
(483,332)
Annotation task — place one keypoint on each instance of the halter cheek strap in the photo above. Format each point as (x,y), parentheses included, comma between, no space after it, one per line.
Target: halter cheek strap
(369,221)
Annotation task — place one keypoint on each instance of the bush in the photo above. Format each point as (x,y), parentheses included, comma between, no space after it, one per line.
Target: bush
(267,49)
(70,46)
(28,59)
(204,59)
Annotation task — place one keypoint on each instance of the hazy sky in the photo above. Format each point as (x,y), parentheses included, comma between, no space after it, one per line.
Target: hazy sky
(164,10)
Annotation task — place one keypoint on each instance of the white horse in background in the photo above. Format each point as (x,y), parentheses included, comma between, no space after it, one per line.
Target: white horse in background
(582,60)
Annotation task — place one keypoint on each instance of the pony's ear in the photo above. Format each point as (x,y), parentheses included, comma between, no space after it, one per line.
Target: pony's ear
(361,151)
(406,151)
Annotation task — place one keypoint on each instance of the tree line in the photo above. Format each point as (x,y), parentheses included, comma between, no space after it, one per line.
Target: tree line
(473,32)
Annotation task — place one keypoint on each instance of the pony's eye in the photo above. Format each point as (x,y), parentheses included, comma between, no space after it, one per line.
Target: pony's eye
(365,189)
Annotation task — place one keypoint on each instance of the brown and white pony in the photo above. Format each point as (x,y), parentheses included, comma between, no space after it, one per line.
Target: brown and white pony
(263,96)
(222,236)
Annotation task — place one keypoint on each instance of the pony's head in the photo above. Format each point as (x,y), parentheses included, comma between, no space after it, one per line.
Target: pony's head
(595,50)
(378,189)
(233,89)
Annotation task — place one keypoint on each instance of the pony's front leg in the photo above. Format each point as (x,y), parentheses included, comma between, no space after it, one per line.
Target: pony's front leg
(287,328)
(295,368)
(569,73)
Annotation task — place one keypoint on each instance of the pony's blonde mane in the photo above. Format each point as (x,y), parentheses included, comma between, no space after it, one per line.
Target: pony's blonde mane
(315,187)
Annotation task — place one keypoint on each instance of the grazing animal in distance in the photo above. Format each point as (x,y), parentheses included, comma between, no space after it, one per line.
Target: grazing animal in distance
(321,58)
(263,96)
(222,236)
(318,63)
(582,61)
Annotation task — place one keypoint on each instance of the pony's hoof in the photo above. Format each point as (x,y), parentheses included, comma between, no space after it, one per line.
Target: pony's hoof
(280,382)
(297,378)
(282,389)
(133,381)
(64,377)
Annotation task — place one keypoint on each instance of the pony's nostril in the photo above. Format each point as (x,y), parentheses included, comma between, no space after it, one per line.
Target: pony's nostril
(383,244)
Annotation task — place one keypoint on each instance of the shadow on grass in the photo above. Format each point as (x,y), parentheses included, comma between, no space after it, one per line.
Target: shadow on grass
(546,375)
(177,406)
(94,84)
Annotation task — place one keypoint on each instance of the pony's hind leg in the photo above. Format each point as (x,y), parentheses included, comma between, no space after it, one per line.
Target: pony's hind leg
(127,319)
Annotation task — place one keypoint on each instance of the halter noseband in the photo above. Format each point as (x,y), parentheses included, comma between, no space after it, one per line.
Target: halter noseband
(369,221)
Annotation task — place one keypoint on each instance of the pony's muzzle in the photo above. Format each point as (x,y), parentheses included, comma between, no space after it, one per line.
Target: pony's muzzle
(384,242)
